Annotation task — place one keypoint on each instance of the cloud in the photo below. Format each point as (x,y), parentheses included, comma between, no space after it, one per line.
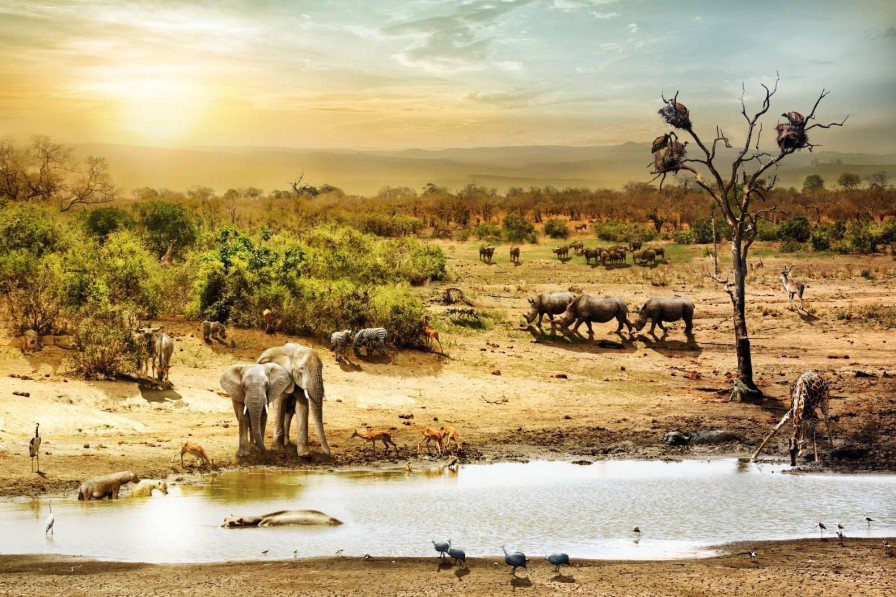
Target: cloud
(604,15)
(576,5)
(506,99)
(889,34)
(453,42)
(632,27)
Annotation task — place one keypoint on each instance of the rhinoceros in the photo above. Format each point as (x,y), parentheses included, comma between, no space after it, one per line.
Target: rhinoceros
(587,309)
(548,303)
(660,309)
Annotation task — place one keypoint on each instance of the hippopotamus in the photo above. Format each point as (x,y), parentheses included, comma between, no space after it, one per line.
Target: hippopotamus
(660,309)
(548,303)
(281,518)
(97,488)
(713,436)
(587,309)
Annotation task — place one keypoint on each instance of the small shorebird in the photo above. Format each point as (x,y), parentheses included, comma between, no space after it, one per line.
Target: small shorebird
(840,526)
(822,529)
(636,530)
(752,554)
(841,536)
(869,521)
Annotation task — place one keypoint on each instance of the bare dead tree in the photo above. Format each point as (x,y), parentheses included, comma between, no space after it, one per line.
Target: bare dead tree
(303,188)
(741,196)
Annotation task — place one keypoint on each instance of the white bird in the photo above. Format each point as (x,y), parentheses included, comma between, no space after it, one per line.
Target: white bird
(51,520)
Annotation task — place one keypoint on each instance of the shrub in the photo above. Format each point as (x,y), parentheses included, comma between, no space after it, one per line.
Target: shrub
(107,348)
(820,239)
(796,229)
(36,230)
(790,246)
(487,231)
(859,238)
(768,231)
(556,229)
(702,229)
(684,237)
(518,229)
(103,221)
(166,223)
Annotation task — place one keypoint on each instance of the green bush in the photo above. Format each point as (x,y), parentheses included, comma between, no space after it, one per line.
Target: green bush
(487,231)
(107,348)
(859,238)
(820,239)
(166,223)
(518,229)
(795,229)
(556,229)
(684,237)
(768,231)
(103,221)
(790,246)
(619,231)
(33,229)
(702,229)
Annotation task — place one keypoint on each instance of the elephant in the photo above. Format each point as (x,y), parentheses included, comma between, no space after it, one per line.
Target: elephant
(306,369)
(281,518)
(103,486)
(252,388)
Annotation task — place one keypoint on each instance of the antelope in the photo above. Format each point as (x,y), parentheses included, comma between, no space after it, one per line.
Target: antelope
(792,288)
(430,435)
(196,451)
(431,334)
(756,265)
(450,433)
(374,435)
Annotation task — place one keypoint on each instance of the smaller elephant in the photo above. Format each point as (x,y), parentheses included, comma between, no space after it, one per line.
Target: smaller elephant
(103,486)
(281,518)
(145,487)
(252,388)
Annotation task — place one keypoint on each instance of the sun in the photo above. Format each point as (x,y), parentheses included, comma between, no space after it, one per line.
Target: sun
(159,110)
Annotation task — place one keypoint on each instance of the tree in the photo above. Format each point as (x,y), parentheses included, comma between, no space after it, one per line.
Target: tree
(736,194)
(877,180)
(813,183)
(167,225)
(45,171)
(849,181)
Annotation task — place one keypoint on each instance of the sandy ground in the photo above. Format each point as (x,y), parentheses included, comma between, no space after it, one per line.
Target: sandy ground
(514,394)
(807,567)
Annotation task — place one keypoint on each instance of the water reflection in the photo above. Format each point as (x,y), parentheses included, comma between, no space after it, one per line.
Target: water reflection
(680,507)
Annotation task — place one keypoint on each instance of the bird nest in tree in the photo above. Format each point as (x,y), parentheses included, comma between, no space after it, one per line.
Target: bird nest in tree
(669,158)
(675,113)
(791,136)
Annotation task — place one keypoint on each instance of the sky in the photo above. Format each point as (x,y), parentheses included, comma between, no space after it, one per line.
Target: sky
(396,74)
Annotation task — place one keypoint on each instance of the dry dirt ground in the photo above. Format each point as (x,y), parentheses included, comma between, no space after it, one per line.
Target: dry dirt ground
(513,394)
(807,567)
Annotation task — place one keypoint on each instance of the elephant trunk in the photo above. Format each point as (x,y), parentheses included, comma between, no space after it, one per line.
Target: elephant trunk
(313,385)
(317,412)
(257,412)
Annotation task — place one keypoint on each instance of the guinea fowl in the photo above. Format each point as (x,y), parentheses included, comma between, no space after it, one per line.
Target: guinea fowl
(460,557)
(516,559)
(558,559)
(442,547)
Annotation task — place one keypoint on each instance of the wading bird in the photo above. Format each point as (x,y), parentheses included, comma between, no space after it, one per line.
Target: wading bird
(51,520)
(34,447)
(822,529)
(869,521)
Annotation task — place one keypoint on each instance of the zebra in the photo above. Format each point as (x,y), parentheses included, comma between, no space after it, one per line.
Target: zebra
(370,338)
(339,343)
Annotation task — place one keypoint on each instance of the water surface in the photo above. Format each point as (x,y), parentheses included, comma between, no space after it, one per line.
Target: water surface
(682,508)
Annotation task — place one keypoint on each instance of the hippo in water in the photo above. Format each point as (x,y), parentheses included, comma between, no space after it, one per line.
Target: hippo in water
(281,518)
(660,309)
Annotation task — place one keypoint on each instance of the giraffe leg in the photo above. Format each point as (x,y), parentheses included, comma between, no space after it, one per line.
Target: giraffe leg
(780,424)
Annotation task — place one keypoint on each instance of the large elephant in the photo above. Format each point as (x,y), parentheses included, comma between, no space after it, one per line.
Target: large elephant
(306,369)
(252,388)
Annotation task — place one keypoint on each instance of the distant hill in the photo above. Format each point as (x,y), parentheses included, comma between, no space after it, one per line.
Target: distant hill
(365,172)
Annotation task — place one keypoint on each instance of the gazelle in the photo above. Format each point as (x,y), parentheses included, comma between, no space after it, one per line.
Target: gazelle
(375,435)
(431,334)
(430,435)
(792,288)
(449,433)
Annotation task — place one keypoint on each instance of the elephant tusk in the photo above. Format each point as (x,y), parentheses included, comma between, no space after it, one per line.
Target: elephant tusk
(245,409)
(306,394)
(265,408)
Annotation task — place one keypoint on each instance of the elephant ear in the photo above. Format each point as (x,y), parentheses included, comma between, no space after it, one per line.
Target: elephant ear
(279,381)
(232,382)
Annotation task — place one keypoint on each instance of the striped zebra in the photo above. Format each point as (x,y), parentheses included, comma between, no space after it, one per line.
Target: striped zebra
(339,343)
(371,338)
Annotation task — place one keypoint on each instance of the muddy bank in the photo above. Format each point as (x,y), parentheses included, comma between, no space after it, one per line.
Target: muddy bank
(804,567)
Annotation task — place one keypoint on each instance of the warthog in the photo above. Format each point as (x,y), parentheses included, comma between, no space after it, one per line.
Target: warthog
(660,309)
(514,254)
(548,303)
(644,257)
(486,252)
(590,254)
(587,309)
(660,252)
(561,252)
(577,247)
(634,245)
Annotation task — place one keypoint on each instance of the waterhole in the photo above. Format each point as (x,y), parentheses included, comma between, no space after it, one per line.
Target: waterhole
(682,509)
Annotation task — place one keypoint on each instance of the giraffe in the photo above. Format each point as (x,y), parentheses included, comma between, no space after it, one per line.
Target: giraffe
(809,393)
